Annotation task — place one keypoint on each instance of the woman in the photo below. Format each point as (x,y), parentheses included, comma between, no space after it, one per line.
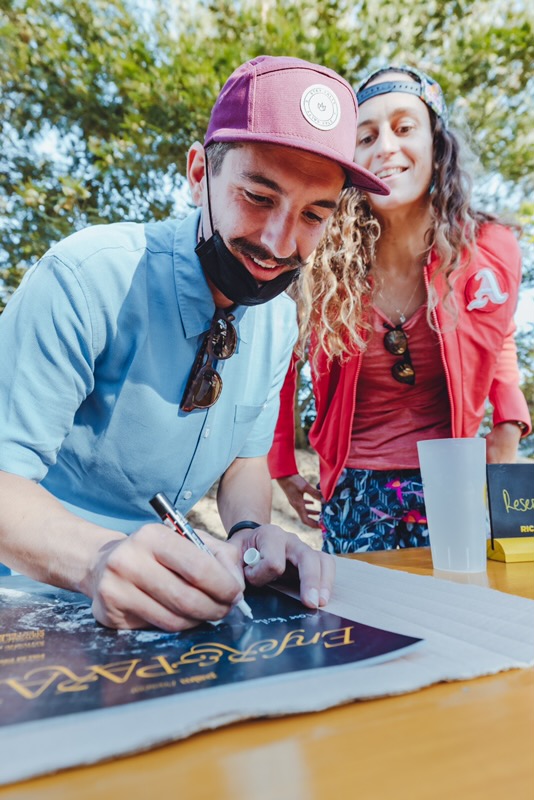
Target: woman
(410,305)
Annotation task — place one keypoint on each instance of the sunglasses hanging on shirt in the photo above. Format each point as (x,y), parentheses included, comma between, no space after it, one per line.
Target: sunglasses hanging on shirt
(396,343)
(204,385)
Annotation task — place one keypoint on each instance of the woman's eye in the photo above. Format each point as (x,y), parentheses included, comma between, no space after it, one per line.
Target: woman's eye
(365,140)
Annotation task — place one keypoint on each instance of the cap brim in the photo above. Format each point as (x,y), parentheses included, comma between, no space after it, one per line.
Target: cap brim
(361,178)
(358,177)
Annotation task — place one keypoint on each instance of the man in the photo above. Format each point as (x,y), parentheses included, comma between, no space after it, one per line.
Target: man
(111,391)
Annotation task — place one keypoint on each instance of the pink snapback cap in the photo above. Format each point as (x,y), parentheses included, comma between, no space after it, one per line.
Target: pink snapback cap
(291,102)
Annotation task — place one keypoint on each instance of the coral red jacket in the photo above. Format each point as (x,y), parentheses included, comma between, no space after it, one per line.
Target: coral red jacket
(478,353)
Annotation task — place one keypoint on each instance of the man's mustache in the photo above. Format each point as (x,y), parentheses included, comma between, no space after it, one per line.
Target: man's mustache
(241,245)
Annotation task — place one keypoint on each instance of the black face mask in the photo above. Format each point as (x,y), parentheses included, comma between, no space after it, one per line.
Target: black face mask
(233,279)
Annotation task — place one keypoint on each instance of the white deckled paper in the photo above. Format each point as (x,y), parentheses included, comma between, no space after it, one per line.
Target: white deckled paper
(469,631)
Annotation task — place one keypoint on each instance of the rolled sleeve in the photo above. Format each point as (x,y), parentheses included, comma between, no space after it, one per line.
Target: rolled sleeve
(507,399)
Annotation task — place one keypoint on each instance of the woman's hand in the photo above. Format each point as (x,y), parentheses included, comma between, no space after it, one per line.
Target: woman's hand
(295,488)
(502,443)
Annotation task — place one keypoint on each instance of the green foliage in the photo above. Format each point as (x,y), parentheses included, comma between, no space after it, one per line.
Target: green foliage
(100,99)
(84,78)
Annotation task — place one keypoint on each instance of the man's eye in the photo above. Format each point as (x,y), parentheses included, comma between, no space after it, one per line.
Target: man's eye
(314,217)
(259,199)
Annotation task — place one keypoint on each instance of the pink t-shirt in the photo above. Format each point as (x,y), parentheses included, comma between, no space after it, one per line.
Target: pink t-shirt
(390,416)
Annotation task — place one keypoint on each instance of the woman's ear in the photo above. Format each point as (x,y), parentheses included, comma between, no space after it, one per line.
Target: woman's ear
(196,170)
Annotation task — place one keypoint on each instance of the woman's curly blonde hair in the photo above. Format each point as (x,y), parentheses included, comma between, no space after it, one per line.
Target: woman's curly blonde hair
(335,287)
(335,290)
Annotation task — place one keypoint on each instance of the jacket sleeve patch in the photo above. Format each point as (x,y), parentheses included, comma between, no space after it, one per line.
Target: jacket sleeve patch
(483,292)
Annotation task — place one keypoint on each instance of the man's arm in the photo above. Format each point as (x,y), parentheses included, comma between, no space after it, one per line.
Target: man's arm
(245,494)
(153,577)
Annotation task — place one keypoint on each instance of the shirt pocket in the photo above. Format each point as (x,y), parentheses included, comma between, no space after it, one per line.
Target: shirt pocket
(245,417)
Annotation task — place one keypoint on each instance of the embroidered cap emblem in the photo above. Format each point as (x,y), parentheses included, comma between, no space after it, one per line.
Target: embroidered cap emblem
(488,290)
(320,107)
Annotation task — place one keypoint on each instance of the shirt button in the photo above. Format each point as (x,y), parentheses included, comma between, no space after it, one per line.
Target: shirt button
(206,433)
(187,495)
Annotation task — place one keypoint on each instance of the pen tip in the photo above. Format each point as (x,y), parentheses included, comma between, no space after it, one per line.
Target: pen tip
(245,609)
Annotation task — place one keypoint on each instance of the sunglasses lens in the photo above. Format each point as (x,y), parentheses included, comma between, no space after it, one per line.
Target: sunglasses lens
(396,342)
(205,390)
(403,372)
(205,384)
(223,339)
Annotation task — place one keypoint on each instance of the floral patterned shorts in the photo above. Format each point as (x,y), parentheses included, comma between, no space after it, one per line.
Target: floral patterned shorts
(375,510)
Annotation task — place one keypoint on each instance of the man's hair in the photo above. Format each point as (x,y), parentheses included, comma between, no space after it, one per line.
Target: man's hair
(216,152)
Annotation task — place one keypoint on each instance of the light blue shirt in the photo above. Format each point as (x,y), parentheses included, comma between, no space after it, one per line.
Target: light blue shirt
(96,348)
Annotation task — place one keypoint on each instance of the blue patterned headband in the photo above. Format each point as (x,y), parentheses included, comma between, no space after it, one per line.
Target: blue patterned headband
(426,88)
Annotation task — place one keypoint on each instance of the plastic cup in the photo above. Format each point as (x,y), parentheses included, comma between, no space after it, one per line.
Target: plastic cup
(454,486)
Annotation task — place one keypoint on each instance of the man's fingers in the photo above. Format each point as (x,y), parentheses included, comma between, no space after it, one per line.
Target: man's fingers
(316,572)
(281,550)
(142,611)
(216,577)
(161,599)
(328,574)
(230,558)
(273,559)
(157,578)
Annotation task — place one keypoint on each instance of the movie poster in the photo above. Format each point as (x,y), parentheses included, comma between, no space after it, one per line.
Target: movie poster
(55,659)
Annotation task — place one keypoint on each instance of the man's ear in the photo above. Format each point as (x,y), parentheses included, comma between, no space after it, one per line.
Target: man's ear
(196,170)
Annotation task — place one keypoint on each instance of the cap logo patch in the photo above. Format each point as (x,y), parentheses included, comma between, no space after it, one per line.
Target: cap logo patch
(320,107)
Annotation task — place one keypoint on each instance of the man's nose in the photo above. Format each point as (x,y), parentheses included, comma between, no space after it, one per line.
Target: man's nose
(280,235)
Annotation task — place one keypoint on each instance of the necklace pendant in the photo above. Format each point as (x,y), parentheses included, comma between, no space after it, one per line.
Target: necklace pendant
(402,319)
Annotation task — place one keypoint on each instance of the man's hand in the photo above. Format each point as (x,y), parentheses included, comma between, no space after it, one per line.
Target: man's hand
(155,577)
(278,549)
(502,443)
(245,494)
(295,488)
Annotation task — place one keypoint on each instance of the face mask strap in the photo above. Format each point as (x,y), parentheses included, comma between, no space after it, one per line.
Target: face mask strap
(208,191)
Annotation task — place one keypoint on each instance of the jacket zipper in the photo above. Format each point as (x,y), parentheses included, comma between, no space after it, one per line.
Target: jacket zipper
(442,350)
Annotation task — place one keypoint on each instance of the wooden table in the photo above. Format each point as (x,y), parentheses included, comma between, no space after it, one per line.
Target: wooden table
(459,741)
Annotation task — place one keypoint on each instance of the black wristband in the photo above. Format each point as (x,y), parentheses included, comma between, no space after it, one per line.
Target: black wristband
(240,526)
